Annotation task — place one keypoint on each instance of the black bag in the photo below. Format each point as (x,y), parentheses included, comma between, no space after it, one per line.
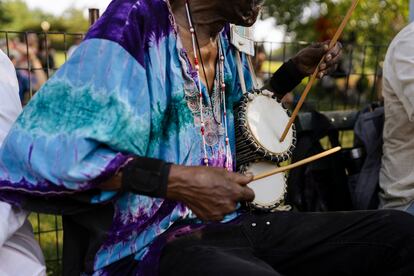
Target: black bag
(321,185)
(364,182)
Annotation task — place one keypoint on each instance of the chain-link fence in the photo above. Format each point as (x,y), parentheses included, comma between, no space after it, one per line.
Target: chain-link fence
(37,56)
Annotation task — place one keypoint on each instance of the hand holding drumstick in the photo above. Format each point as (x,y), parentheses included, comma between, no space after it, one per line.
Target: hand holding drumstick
(308,59)
(316,72)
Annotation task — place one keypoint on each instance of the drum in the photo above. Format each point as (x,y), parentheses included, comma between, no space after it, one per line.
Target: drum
(260,122)
(270,192)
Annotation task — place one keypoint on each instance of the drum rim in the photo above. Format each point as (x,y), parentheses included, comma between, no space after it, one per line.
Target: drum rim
(243,123)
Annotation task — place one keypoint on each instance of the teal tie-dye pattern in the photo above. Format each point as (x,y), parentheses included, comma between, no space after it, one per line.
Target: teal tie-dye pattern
(101,107)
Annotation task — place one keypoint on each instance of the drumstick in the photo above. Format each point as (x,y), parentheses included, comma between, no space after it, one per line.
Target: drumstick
(315,73)
(297,164)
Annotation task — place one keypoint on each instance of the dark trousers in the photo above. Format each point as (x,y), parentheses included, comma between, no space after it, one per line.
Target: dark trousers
(291,243)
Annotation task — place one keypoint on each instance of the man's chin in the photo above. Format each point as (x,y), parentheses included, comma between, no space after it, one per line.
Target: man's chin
(247,21)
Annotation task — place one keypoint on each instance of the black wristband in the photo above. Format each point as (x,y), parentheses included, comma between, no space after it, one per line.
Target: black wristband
(286,78)
(146,176)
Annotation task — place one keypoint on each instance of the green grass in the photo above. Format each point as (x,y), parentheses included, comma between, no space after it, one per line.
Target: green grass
(50,239)
(346,138)
(59,58)
(271,66)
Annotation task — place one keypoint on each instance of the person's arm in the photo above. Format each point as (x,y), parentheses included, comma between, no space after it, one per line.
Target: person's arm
(37,70)
(35,64)
(291,73)
(285,79)
(211,193)
(141,175)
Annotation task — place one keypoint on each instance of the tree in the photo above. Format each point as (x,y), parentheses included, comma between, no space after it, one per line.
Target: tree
(373,22)
(15,15)
(4,17)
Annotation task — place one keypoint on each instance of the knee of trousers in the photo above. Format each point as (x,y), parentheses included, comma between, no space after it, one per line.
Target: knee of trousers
(400,226)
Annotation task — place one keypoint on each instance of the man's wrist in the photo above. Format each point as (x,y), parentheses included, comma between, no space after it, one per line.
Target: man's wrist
(146,176)
(285,79)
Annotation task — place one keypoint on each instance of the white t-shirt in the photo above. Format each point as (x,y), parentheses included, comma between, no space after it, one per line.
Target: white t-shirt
(20,254)
(397,171)
(10,106)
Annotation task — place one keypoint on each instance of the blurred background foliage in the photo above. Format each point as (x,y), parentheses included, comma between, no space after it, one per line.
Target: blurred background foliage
(374,22)
(15,15)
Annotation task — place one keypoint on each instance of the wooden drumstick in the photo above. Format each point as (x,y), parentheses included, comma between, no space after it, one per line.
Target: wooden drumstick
(297,164)
(315,73)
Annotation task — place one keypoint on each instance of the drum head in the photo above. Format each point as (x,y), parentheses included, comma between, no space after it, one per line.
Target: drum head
(267,119)
(269,191)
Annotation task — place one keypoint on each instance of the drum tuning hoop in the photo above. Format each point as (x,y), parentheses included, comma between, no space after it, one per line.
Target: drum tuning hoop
(267,93)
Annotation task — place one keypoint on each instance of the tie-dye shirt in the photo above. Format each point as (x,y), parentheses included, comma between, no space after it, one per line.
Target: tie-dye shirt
(127,90)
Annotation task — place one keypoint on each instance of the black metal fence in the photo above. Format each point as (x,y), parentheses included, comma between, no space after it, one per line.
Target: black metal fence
(356,83)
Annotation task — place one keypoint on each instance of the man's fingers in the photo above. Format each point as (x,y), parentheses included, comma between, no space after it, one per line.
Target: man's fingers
(335,51)
(242,179)
(322,74)
(332,61)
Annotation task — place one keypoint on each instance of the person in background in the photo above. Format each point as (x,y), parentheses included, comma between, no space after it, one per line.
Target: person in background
(258,63)
(397,171)
(20,254)
(46,55)
(76,42)
(23,56)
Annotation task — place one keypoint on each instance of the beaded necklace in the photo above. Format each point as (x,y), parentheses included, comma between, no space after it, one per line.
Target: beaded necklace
(222,87)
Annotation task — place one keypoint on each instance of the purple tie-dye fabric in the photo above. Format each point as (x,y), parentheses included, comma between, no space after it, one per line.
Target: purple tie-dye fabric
(134,25)
(128,89)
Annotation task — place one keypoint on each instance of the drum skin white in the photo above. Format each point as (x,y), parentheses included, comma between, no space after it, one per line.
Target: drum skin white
(270,191)
(266,118)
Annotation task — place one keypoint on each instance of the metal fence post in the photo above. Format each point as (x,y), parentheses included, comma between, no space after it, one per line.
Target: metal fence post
(93,16)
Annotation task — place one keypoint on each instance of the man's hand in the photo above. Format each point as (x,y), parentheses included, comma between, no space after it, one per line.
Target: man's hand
(307,59)
(211,193)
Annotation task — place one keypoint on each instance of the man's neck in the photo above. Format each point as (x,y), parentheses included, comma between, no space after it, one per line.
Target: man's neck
(208,24)
(206,19)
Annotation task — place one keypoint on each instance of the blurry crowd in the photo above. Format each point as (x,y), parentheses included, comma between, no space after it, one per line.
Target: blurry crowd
(34,59)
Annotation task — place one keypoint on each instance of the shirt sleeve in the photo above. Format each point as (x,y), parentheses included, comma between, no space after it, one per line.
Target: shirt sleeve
(10,221)
(82,126)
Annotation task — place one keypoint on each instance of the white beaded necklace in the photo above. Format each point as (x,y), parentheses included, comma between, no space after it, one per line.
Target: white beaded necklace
(222,87)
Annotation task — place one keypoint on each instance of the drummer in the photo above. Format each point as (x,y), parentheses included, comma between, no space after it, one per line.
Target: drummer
(119,142)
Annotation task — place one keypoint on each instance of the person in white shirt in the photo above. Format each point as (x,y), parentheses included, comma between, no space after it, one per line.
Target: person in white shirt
(397,171)
(20,253)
